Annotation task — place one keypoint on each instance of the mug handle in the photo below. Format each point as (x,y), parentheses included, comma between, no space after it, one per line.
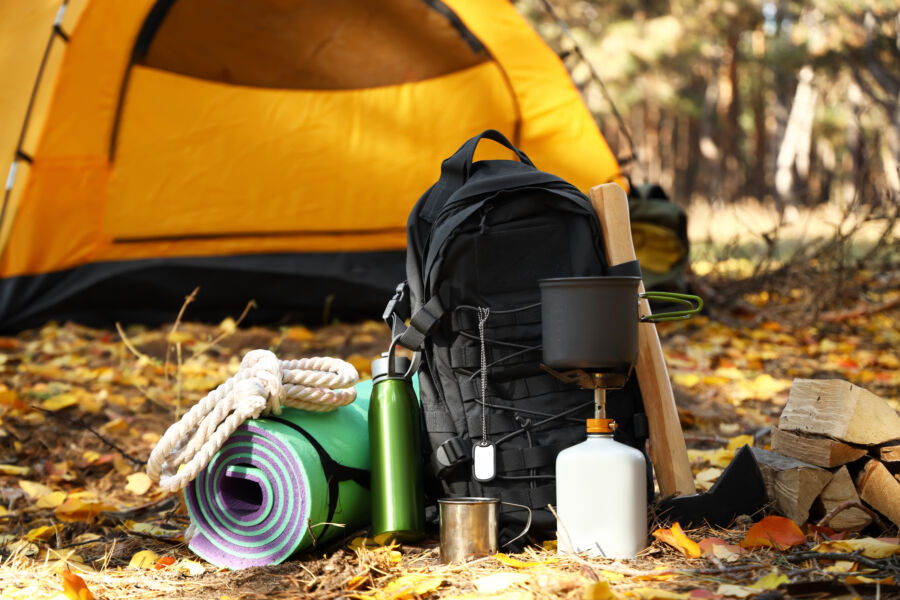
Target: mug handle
(527,525)
(678,315)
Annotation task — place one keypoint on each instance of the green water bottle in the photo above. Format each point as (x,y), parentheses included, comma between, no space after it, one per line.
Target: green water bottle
(398,508)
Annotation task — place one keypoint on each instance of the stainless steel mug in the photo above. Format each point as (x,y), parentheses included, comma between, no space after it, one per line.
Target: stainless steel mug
(469,527)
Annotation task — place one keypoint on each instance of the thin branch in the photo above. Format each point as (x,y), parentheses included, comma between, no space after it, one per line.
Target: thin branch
(187,300)
(140,355)
(83,425)
(862,311)
(851,556)
(223,335)
(847,505)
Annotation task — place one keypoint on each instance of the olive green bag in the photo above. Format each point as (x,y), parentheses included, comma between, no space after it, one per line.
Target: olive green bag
(659,231)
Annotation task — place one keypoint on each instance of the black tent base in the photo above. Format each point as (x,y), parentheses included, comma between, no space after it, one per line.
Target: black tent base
(286,288)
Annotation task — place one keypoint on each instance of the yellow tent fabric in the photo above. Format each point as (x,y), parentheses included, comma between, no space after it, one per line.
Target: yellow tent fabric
(188,136)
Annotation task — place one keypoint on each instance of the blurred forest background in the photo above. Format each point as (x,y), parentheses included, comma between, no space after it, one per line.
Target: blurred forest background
(792,108)
(795,102)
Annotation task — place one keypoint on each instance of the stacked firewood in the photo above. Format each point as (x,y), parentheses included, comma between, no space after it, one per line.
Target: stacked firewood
(835,456)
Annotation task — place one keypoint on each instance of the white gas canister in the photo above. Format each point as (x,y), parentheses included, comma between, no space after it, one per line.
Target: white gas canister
(601,495)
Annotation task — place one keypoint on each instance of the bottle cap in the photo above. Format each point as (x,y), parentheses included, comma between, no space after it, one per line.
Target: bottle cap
(601,425)
(380,367)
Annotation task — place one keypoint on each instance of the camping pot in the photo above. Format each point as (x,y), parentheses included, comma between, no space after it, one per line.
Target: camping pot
(592,322)
(469,527)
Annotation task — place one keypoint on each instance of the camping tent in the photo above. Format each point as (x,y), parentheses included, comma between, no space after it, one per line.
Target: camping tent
(266,150)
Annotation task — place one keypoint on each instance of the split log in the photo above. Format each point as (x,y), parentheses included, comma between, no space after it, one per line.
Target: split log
(840,490)
(889,454)
(841,410)
(819,451)
(791,484)
(880,490)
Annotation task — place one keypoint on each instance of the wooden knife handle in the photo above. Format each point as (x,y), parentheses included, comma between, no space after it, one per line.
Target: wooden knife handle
(668,452)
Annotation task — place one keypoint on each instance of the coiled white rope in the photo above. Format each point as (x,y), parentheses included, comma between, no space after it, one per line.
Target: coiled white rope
(261,386)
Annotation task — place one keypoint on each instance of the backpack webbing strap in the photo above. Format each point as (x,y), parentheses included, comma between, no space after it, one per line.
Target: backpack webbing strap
(458,450)
(518,459)
(463,318)
(334,471)
(536,497)
(421,324)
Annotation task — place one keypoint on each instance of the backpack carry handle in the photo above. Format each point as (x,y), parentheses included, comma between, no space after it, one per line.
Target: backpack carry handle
(457,169)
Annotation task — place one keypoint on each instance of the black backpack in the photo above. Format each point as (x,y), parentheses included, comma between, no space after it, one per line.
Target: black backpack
(481,238)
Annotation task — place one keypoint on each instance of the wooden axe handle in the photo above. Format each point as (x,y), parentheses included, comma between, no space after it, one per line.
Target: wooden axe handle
(668,452)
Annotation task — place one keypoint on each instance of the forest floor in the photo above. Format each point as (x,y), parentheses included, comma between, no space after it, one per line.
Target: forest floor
(81,408)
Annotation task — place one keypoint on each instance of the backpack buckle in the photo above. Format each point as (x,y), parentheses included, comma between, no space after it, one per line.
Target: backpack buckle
(450,455)
(391,308)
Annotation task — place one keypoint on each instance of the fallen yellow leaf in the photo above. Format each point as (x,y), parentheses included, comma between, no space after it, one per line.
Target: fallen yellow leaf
(719,457)
(16,470)
(178,337)
(770,580)
(138,483)
(59,402)
(738,441)
(300,334)
(598,590)
(190,567)
(707,477)
(362,542)
(51,500)
(34,489)
(357,581)
(145,559)
(80,507)
(869,547)
(519,564)
(889,580)
(497,582)
(687,380)
(412,585)
(122,466)
(228,326)
(660,574)
(361,363)
(42,533)
(736,591)
(115,425)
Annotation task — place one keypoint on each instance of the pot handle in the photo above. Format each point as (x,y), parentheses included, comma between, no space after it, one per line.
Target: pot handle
(678,315)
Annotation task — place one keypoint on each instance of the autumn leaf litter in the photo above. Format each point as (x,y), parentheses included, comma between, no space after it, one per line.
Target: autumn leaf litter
(81,408)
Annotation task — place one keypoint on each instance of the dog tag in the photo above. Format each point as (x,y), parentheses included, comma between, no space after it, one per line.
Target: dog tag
(484,465)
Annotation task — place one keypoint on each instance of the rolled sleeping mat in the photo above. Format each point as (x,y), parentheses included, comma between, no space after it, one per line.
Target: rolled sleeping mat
(280,484)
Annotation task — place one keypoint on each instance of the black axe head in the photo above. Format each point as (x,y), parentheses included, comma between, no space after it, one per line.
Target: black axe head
(740,490)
